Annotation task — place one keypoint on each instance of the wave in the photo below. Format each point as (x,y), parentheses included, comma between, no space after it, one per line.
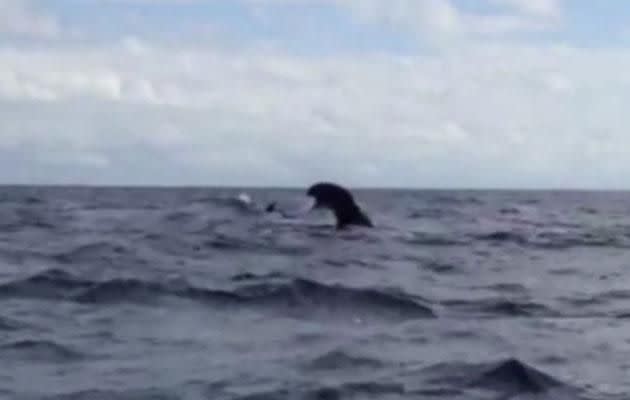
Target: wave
(339,359)
(522,230)
(441,267)
(557,240)
(304,293)
(502,236)
(8,324)
(513,375)
(500,307)
(52,284)
(434,213)
(20,218)
(121,290)
(352,389)
(510,377)
(589,210)
(277,292)
(224,242)
(456,199)
(295,294)
(40,350)
(235,244)
(130,394)
(428,239)
(248,276)
(358,389)
(100,249)
(509,211)
(280,394)
(550,240)
(33,200)
(181,215)
(504,287)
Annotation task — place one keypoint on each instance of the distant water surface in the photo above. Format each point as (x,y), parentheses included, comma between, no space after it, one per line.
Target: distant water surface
(118,293)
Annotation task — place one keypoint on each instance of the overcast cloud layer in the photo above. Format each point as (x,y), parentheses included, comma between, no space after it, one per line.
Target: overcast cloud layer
(435,93)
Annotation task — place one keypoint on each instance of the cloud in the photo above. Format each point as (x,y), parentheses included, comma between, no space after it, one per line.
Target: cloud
(20,18)
(430,16)
(433,19)
(483,115)
(443,19)
(540,8)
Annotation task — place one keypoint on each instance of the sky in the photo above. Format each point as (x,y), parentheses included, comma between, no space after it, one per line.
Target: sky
(376,93)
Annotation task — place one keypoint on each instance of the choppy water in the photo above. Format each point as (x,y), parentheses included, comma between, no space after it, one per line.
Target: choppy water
(185,294)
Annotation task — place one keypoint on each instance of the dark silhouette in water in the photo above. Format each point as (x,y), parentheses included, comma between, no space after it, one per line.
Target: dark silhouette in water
(341,202)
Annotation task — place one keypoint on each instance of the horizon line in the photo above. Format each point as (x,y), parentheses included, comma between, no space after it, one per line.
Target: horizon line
(298,187)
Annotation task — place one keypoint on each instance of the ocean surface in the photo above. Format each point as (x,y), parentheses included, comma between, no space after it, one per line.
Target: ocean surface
(120,293)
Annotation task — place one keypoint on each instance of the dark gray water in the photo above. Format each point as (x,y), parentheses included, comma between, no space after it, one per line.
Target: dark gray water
(187,294)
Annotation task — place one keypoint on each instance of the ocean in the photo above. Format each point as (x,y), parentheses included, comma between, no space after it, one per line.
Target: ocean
(190,293)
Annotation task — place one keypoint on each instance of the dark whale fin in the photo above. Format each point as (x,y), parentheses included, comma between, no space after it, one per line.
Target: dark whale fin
(341,202)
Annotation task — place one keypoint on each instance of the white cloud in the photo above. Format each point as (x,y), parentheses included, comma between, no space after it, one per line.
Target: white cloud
(437,19)
(483,115)
(429,16)
(541,8)
(19,17)
(442,19)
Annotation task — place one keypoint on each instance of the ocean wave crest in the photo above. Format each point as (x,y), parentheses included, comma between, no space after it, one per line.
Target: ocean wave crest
(294,294)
